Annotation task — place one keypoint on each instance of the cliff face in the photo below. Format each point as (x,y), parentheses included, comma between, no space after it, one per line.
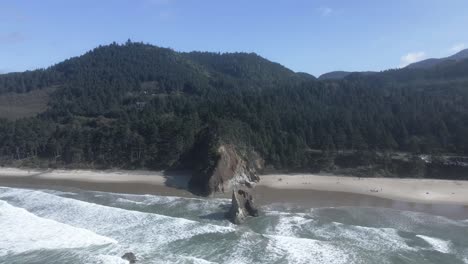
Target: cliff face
(234,168)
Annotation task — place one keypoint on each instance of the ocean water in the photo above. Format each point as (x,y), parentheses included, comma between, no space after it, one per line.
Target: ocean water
(47,226)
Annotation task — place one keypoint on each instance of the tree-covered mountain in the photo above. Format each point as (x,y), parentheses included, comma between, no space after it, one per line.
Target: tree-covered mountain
(137,105)
(428,63)
(338,75)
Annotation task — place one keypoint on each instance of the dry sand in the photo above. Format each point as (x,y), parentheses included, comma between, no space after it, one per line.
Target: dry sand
(409,190)
(118,181)
(440,197)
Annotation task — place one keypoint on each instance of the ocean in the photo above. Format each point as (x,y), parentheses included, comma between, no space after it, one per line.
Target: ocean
(76,226)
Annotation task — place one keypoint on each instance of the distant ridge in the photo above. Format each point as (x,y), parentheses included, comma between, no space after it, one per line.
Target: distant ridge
(338,75)
(433,62)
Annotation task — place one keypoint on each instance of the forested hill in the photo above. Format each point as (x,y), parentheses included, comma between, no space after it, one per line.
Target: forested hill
(137,105)
(461,55)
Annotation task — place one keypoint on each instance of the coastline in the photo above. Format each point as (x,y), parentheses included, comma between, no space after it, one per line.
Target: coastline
(407,190)
(116,181)
(439,197)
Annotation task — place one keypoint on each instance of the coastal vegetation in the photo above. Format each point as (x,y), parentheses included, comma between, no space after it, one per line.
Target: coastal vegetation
(136,105)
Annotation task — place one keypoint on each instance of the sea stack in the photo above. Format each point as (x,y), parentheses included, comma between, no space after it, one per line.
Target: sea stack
(233,168)
(242,207)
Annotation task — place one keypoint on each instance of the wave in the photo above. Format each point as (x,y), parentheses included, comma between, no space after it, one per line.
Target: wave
(437,244)
(141,232)
(108,259)
(304,238)
(291,225)
(303,250)
(367,238)
(190,203)
(172,230)
(195,260)
(23,231)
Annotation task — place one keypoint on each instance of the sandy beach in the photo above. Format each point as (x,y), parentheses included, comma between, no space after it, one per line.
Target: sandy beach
(441,197)
(409,190)
(118,181)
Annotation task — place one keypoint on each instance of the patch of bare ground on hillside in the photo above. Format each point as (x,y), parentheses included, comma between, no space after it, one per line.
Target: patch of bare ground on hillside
(19,105)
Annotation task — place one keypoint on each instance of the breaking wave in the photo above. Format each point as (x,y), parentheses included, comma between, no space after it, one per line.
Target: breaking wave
(96,227)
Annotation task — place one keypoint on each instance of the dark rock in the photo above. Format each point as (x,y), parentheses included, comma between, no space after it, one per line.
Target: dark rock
(242,206)
(234,168)
(130,257)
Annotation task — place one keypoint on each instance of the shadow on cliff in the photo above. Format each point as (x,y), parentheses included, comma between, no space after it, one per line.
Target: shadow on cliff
(177,179)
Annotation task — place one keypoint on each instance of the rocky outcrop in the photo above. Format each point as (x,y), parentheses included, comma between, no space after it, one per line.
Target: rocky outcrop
(234,168)
(130,257)
(242,206)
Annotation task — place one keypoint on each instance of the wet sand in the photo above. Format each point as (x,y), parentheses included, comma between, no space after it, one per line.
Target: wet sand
(292,191)
(116,181)
(300,199)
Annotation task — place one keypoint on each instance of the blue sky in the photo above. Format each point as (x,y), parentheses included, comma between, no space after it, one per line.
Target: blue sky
(309,36)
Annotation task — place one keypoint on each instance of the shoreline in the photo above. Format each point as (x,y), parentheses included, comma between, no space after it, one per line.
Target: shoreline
(289,190)
(401,189)
(116,181)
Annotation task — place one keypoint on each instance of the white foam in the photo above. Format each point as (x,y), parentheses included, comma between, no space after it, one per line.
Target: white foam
(22,231)
(190,204)
(195,260)
(239,253)
(436,243)
(423,219)
(137,228)
(108,259)
(302,250)
(123,200)
(368,238)
(291,225)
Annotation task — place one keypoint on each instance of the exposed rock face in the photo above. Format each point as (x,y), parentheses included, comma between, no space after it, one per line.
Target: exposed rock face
(242,207)
(130,257)
(235,169)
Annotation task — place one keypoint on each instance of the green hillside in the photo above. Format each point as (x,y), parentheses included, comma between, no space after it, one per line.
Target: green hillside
(137,105)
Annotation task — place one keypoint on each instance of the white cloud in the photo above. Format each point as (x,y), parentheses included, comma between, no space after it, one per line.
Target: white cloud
(458,47)
(325,11)
(412,57)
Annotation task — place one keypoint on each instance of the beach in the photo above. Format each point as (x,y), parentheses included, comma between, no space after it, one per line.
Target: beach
(116,181)
(303,219)
(408,190)
(440,197)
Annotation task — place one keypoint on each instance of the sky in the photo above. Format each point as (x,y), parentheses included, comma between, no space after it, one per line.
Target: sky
(304,35)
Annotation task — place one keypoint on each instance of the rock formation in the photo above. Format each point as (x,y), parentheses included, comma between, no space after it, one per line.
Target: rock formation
(242,207)
(233,169)
(130,257)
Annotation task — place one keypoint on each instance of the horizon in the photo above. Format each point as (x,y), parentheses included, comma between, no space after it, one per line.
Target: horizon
(302,36)
(227,52)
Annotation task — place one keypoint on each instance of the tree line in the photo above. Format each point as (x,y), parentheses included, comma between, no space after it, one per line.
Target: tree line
(136,105)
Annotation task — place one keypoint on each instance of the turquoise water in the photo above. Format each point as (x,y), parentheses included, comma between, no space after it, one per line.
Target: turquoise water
(45,226)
